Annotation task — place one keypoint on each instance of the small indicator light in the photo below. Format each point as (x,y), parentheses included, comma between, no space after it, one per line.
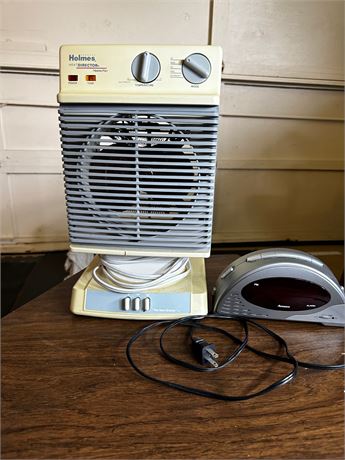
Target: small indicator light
(72,77)
(90,77)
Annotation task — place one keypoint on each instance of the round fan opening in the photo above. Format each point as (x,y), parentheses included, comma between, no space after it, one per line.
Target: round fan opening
(139,175)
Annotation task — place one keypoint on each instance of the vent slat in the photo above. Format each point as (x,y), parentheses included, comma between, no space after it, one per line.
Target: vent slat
(155,238)
(84,209)
(193,163)
(188,244)
(104,197)
(71,141)
(97,182)
(140,170)
(87,126)
(122,175)
(172,121)
(152,113)
(155,207)
(129,225)
(87,231)
(144,156)
(86,150)
(138,133)
(156,190)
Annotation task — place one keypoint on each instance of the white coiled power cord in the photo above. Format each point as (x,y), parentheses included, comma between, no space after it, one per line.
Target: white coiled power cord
(126,274)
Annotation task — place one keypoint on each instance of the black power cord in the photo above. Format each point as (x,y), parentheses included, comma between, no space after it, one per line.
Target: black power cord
(200,347)
(193,323)
(205,352)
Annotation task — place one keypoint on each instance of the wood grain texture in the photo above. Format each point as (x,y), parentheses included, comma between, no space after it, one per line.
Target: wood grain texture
(68,392)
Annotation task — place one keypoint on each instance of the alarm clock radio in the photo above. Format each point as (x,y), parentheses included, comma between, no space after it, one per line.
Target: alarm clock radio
(281,284)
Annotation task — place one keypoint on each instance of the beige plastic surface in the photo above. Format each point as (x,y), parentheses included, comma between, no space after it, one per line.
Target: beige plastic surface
(33,30)
(282,101)
(111,66)
(276,40)
(261,205)
(280,165)
(194,283)
(33,211)
(281,128)
(143,252)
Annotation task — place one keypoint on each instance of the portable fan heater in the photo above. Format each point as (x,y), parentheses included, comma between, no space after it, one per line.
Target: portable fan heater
(139,129)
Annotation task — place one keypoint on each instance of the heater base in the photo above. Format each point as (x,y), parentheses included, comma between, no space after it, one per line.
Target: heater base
(187,297)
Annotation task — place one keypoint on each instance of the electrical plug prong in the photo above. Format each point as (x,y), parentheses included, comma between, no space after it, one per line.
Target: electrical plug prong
(210,360)
(212,352)
(204,352)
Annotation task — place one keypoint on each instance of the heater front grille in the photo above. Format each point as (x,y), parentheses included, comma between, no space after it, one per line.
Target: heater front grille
(139,176)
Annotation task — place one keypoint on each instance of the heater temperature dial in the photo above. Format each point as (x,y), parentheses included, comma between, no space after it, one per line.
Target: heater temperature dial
(196,68)
(145,67)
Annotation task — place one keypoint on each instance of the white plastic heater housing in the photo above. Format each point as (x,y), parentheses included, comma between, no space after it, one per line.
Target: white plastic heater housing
(113,80)
(139,127)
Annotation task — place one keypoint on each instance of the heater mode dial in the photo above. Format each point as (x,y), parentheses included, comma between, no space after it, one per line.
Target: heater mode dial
(145,67)
(196,68)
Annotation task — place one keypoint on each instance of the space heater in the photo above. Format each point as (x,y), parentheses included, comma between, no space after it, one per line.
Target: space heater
(139,131)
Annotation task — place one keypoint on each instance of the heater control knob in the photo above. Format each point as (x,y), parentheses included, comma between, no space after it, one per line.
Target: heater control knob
(146,67)
(196,68)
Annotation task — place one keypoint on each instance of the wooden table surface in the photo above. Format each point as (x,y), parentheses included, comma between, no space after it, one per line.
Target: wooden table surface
(68,392)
